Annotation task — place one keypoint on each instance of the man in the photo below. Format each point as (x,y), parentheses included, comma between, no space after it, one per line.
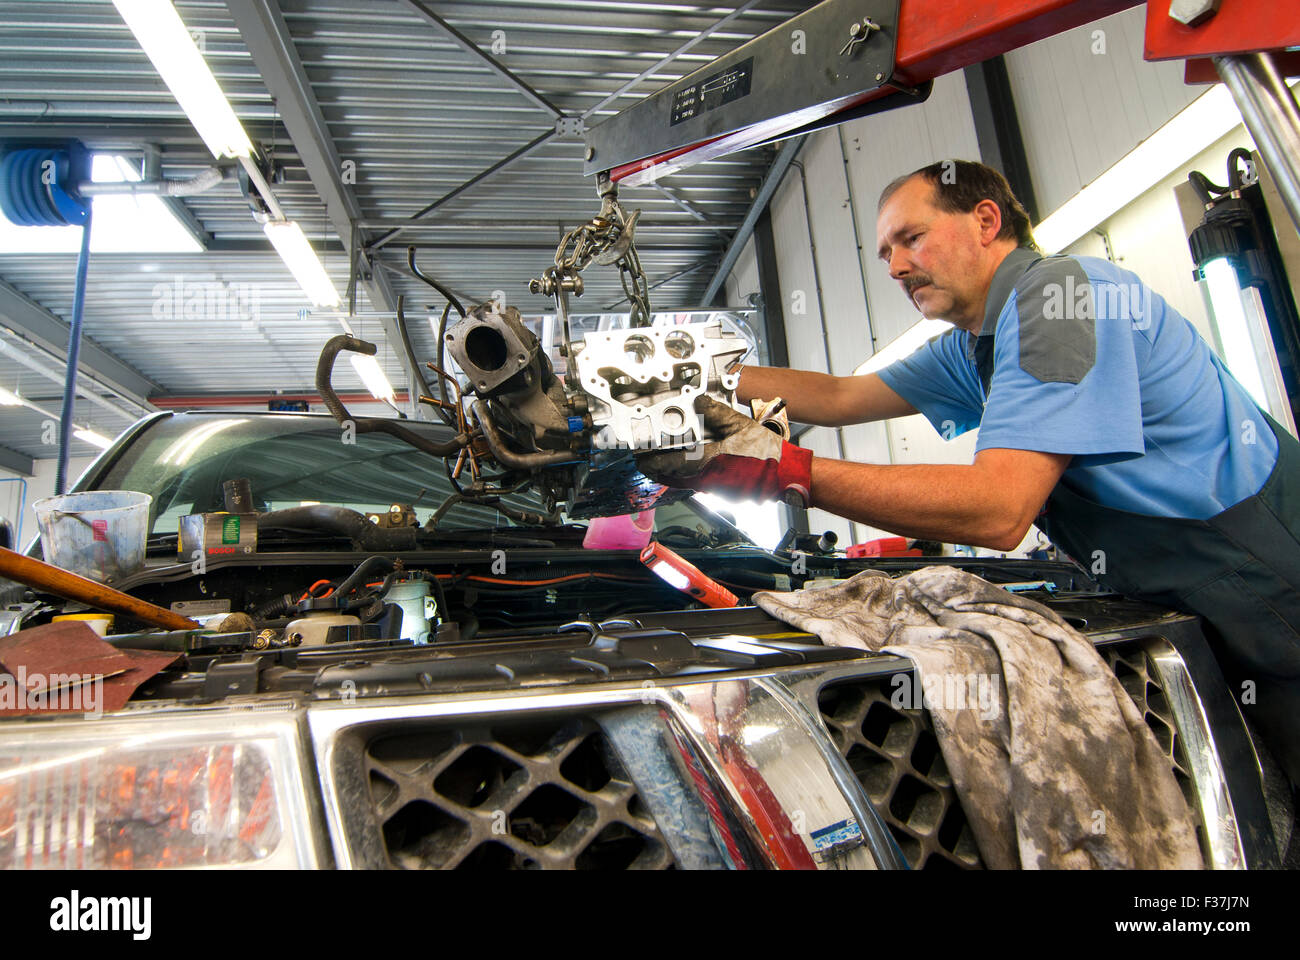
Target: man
(1102,413)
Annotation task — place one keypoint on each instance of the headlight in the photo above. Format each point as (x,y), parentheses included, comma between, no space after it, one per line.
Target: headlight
(173,787)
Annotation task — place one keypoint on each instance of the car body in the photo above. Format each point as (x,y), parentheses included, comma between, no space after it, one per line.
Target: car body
(569,710)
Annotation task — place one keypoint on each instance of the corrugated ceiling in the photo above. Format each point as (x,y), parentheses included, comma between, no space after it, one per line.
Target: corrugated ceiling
(413,116)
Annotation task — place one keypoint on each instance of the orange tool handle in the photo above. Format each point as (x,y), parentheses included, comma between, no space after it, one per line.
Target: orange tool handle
(686,577)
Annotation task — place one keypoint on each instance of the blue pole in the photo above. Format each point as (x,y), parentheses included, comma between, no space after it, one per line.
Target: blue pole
(74,355)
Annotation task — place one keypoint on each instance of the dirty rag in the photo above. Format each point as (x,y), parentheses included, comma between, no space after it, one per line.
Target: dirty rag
(1057,769)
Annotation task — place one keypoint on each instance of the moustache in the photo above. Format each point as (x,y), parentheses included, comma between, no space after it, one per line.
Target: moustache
(916,280)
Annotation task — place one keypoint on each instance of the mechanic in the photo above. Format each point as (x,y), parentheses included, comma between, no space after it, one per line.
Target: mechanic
(1102,415)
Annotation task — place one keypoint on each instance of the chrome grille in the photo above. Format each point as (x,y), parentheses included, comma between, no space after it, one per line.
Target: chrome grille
(895,756)
(546,794)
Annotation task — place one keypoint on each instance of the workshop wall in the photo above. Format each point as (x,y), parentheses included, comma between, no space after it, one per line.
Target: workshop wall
(1147,236)
(1085,98)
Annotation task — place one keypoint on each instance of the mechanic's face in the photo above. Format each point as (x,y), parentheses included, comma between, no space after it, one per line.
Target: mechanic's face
(944,261)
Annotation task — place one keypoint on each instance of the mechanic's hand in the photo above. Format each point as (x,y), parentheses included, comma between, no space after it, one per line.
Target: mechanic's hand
(748,462)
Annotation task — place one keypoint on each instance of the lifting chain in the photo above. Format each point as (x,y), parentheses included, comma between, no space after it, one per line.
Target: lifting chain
(608,238)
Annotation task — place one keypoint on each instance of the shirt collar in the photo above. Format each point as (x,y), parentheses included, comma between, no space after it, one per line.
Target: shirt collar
(1004,281)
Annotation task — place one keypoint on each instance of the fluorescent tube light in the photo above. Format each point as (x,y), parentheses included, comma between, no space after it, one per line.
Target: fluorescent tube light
(161,32)
(8,399)
(90,436)
(906,343)
(291,243)
(373,376)
(1230,318)
(1203,121)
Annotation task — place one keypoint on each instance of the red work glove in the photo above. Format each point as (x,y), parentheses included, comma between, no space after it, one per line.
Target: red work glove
(749,462)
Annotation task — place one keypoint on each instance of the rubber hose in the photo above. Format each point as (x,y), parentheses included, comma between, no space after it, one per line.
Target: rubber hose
(341,521)
(324,374)
(509,458)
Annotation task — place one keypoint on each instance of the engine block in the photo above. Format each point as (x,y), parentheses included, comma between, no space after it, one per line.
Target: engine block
(641,383)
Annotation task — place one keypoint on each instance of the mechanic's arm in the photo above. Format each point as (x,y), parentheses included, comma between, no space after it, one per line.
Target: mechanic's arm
(821,399)
(989,503)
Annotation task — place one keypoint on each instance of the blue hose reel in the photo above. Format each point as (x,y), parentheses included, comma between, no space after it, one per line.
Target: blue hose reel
(38,188)
(38,185)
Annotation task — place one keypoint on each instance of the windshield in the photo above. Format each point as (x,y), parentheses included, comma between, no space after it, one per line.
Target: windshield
(290,460)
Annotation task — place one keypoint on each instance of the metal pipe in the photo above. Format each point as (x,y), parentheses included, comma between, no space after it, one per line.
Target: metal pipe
(20,356)
(206,180)
(509,458)
(325,370)
(1268,107)
(66,425)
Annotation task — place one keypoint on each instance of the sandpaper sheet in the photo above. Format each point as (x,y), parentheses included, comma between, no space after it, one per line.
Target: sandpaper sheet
(41,667)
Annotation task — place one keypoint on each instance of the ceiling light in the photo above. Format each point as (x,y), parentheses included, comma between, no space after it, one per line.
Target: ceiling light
(161,32)
(292,245)
(90,436)
(373,376)
(8,399)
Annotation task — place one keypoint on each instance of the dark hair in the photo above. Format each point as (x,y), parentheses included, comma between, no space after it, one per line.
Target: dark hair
(960,185)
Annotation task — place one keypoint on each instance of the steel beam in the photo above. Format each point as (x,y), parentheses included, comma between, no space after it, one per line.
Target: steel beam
(516,226)
(32,322)
(19,463)
(268,39)
(997,128)
(686,205)
(472,181)
(470,47)
(770,182)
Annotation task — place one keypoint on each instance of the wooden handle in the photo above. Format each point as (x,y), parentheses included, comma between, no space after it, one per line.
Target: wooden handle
(40,575)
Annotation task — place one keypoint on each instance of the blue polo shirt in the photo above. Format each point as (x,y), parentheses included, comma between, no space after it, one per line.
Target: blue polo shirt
(1079,356)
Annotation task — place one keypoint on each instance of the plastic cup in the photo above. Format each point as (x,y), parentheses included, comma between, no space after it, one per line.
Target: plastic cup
(99,534)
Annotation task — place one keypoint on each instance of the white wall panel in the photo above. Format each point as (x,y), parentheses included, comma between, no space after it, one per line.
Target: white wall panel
(1081,111)
(844,303)
(805,336)
(743,279)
